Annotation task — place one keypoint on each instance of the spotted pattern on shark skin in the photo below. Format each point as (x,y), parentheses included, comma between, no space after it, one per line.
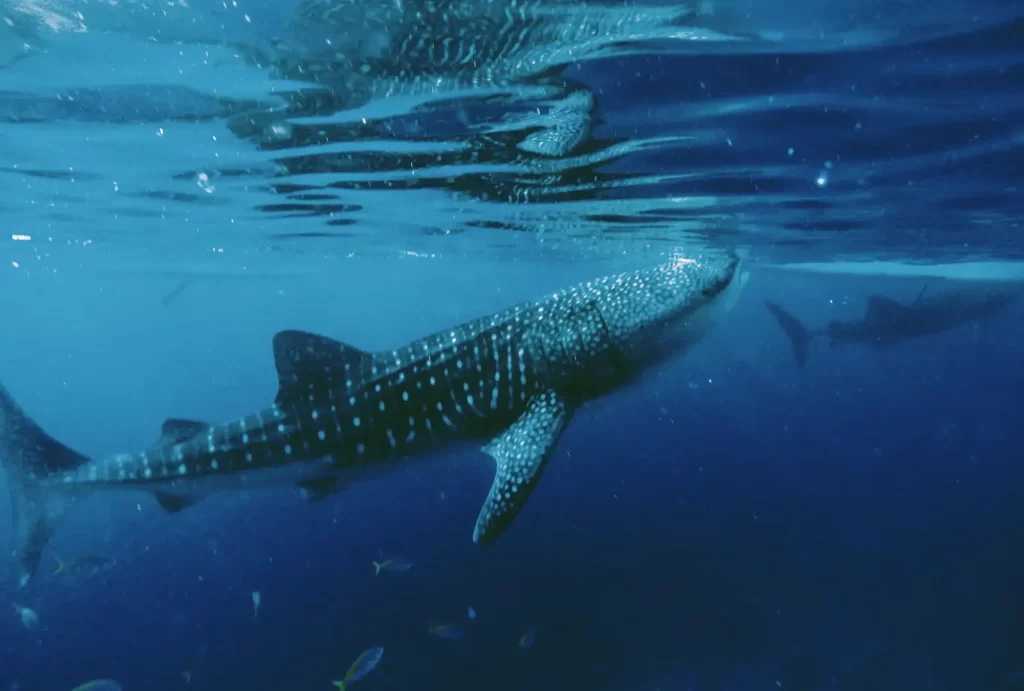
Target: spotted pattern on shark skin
(474,381)
(251,442)
(509,381)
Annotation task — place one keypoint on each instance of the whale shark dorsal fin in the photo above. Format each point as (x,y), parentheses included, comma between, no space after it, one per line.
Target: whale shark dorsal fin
(307,363)
(883,308)
(177,430)
(520,454)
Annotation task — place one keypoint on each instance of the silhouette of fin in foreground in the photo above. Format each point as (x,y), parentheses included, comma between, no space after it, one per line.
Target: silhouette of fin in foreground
(799,336)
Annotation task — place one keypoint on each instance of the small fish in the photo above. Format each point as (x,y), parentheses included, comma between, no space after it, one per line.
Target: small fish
(88,563)
(527,640)
(364,664)
(446,631)
(99,685)
(256,599)
(470,612)
(395,564)
(29,618)
(173,295)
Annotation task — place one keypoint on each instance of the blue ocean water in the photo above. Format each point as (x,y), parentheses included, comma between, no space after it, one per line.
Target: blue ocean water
(180,182)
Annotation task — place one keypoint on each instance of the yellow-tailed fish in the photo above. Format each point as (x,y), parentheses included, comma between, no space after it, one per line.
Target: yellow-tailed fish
(396,564)
(99,685)
(364,664)
(90,563)
(527,640)
(447,631)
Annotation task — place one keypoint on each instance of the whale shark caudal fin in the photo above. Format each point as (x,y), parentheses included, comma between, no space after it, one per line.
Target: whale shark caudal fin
(29,456)
(520,454)
(799,336)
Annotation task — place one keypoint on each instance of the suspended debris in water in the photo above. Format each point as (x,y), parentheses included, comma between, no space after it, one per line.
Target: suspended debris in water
(470,612)
(364,664)
(526,641)
(256,599)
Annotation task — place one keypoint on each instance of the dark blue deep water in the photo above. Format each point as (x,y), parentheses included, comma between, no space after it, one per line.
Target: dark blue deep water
(178,183)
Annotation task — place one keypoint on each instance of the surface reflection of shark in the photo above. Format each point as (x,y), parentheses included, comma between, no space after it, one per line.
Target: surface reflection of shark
(351,53)
(887,322)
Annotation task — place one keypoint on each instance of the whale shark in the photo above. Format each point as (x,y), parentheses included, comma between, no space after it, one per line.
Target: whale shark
(509,382)
(887,322)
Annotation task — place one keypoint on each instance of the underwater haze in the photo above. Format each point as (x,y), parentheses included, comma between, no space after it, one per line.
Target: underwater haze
(819,489)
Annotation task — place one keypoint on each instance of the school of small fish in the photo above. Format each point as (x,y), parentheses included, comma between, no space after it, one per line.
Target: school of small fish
(361,667)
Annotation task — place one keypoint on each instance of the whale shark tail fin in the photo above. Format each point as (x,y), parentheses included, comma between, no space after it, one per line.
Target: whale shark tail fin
(799,337)
(30,457)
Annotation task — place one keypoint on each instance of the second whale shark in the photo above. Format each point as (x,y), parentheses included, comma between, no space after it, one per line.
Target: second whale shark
(887,322)
(510,381)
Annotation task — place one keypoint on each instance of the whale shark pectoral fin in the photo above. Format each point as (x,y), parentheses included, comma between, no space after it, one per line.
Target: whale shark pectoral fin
(307,363)
(520,454)
(176,430)
(884,309)
(173,503)
(316,489)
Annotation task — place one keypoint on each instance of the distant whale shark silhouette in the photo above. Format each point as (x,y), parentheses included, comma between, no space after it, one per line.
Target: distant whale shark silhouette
(887,322)
(511,381)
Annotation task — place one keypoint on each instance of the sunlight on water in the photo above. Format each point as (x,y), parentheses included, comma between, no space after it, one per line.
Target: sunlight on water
(267,123)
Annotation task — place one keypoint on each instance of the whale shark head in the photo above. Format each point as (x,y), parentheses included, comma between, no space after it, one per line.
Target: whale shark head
(658,312)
